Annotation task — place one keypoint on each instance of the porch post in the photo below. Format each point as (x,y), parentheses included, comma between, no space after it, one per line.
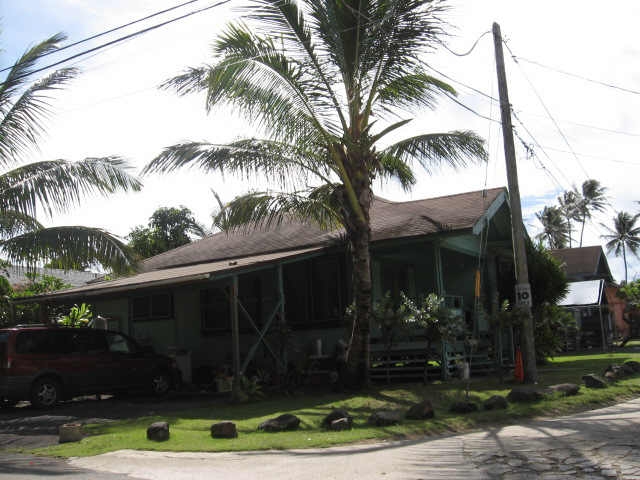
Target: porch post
(283,320)
(235,337)
(438,263)
(43,311)
(604,337)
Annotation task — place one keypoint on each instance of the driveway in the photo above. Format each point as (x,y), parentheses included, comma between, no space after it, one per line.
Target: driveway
(600,444)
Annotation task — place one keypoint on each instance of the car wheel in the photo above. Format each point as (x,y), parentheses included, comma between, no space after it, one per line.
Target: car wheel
(160,383)
(45,392)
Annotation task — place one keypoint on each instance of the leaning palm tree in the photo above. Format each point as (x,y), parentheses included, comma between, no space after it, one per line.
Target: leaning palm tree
(624,234)
(569,203)
(593,199)
(555,231)
(28,189)
(322,78)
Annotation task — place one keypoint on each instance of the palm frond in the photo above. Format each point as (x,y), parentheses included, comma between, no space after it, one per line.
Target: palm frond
(265,210)
(414,90)
(431,151)
(392,167)
(58,184)
(192,80)
(83,245)
(14,223)
(261,158)
(22,121)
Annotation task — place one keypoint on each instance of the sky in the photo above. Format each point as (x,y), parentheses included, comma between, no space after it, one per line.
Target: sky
(579,129)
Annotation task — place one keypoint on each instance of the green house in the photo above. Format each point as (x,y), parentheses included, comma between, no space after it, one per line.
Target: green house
(288,286)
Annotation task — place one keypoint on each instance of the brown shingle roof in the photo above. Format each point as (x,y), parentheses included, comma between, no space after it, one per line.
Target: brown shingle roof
(582,262)
(388,220)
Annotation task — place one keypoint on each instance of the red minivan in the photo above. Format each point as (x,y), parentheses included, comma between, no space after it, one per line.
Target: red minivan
(48,364)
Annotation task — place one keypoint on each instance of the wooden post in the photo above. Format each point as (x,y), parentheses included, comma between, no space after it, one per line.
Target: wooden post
(235,337)
(283,320)
(604,336)
(523,289)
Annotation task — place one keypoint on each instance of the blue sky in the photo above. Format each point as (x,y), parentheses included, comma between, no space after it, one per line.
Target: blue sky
(114,107)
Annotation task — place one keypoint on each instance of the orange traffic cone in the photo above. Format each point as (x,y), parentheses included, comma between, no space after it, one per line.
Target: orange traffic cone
(518,371)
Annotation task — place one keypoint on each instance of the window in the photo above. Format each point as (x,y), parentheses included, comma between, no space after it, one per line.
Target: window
(88,341)
(214,310)
(119,343)
(156,306)
(39,342)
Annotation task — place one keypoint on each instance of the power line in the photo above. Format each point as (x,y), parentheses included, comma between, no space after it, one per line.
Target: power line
(593,127)
(535,91)
(106,32)
(455,100)
(480,92)
(597,157)
(581,77)
(470,50)
(126,37)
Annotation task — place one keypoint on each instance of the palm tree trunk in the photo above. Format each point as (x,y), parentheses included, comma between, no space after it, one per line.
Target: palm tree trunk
(570,234)
(584,220)
(624,256)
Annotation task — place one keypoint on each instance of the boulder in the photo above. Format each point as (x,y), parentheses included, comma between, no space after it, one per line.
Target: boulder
(70,432)
(284,422)
(463,407)
(340,424)
(566,389)
(224,430)
(384,418)
(421,411)
(496,402)
(635,366)
(593,381)
(158,431)
(627,369)
(611,376)
(337,414)
(524,394)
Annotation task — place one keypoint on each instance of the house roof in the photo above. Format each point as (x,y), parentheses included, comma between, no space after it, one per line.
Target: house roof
(19,275)
(218,254)
(582,294)
(583,263)
(389,220)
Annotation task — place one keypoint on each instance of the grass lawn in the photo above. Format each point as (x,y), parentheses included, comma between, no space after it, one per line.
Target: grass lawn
(190,429)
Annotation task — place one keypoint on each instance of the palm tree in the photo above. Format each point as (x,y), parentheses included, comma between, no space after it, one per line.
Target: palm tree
(555,230)
(593,199)
(321,78)
(26,189)
(570,202)
(623,235)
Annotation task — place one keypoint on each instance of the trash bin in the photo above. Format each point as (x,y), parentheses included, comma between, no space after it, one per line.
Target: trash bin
(182,357)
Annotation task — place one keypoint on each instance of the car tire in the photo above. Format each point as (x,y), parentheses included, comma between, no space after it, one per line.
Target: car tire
(46,392)
(160,384)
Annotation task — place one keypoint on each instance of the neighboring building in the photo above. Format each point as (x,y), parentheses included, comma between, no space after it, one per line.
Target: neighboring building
(591,287)
(287,287)
(18,276)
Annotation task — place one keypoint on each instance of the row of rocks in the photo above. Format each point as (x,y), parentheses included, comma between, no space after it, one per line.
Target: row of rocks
(611,374)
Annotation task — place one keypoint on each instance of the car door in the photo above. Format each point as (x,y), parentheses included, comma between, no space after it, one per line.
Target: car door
(132,369)
(91,360)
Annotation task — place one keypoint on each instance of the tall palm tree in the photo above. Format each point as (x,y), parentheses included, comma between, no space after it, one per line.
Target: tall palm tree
(623,235)
(570,202)
(27,189)
(555,230)
(593,200)
(322,78)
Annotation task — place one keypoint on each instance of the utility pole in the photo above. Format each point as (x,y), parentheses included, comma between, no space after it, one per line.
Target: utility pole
(523,289)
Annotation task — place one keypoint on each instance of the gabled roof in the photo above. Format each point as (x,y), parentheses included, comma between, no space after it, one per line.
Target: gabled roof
(583,263)
(18,276)
(389,220)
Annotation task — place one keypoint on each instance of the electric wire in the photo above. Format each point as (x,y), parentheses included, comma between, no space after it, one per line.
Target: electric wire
(111,30)
(470,50)
(122,39)
(553,120)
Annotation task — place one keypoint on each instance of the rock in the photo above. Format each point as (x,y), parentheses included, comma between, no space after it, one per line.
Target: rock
(495,402)
(463,407)
(158,431)
(524,394)
(421,411)
(627,369)
(340,424)
(337,414)
(70,432)
(611,376)
(634,365)
(567,389)
(593,381)
(281,423)
(384,418)
(224,430)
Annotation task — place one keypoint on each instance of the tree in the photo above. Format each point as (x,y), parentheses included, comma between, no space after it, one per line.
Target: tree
(555,231)
(321,79)
(168,228)
(623,235)
(593,198)
(569,203)
(52,186)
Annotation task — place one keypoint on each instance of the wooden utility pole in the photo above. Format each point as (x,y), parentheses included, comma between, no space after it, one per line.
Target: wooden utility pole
(235,338)
(523,289)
